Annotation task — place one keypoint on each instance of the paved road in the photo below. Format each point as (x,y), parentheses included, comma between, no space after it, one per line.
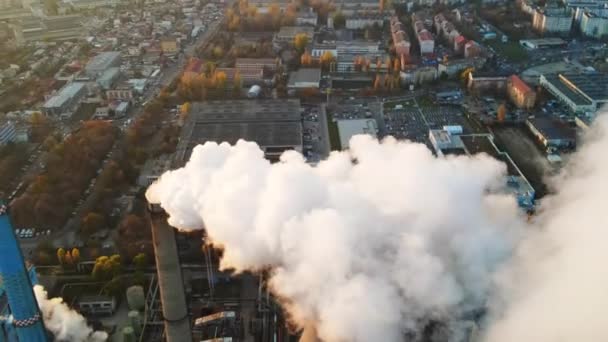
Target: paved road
(324,132)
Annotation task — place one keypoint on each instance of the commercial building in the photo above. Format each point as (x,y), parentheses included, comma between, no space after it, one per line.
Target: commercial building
(66,100)
(543,43)
(270,64)
(593,25)
(305,78)
(358,62)
(580,92)
(520,93)
(351,127)
(483,83)
(275,125)
(552,20)
(108,78)
(97,305)
(102,62)
(551,133)
(8,132)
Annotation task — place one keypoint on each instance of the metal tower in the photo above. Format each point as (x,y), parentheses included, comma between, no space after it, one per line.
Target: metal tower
(16,281)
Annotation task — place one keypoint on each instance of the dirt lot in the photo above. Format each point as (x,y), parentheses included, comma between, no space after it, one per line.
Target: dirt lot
(526,154)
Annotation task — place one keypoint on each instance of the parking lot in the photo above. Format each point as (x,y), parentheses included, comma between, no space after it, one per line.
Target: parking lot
(313,136)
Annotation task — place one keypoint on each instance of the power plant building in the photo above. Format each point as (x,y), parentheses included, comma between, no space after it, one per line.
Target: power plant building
(275,125)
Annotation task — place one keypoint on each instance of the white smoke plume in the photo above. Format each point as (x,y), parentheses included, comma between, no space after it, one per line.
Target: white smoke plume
(556,287)
(366,250)
(66,324)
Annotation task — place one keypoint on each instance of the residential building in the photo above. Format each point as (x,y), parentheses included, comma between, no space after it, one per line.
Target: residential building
(275,125)
(472,49)
(415,74)
(552,20)
(121,93)
(593,25)
(359,21)
(551,133)
(453,67)
(347,62)
(357,47)
(482,83)
(520,93)
(351,127)
(101,63)
(66,100)
(269,64)
(401,41)
(582,93)
(169,46)
(304,78)
(424,37)
(8,132)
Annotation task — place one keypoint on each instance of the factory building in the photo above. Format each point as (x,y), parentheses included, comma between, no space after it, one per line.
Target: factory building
(551,133)
(450,141)
(101,63)
(582,93)
(520,93)
(349,128)
(66,100)
(275,125)
(51,28)
(17,286)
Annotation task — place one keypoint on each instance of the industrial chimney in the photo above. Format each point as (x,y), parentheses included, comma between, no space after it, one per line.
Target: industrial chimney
(172,296)
(27,319)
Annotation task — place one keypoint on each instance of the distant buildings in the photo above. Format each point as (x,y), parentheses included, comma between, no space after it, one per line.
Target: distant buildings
(169,46)
(362,20)
(101,63)
(472,49)
(270,64)
(485,83)
(307,18)
(582,93)
(552,20)
(543,43)
(108,78)
(520,93)
(287,34)
(249,75)
(401,40)
(51,28)
(66,100)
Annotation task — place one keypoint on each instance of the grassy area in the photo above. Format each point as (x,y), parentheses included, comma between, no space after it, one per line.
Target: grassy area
(334,135)
(511,50)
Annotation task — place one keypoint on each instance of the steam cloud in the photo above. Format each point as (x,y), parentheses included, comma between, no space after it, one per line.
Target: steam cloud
(364,250)
(66,324)
(370,250)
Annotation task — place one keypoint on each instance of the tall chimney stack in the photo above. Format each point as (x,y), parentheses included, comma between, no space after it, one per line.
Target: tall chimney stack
(172,296)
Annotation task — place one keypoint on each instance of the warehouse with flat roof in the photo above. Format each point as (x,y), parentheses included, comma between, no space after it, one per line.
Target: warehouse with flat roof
(66,100)
(581,92)
(102,62)
(275,125)
(351,127)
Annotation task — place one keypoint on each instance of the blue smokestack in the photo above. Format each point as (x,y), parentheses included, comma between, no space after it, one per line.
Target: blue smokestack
(16,281)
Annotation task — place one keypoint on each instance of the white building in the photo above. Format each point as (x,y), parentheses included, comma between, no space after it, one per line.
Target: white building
(593,25)
(552,21)
(318,49)
(349,128)
(66,100)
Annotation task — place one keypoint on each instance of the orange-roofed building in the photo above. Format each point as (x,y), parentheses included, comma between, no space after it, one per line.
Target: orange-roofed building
(520,93)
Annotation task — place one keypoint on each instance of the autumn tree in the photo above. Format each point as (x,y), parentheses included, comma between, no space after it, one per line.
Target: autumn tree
(61,255)
(396,65)
(75,255)
(501,113)
(68,258)
(326,59)
(218,52)
(300,42)
(306,59)
(92,222)
(377,83)
(237,81)
(140,261)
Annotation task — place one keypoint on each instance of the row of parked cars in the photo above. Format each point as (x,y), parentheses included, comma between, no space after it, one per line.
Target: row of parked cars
(27,233)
